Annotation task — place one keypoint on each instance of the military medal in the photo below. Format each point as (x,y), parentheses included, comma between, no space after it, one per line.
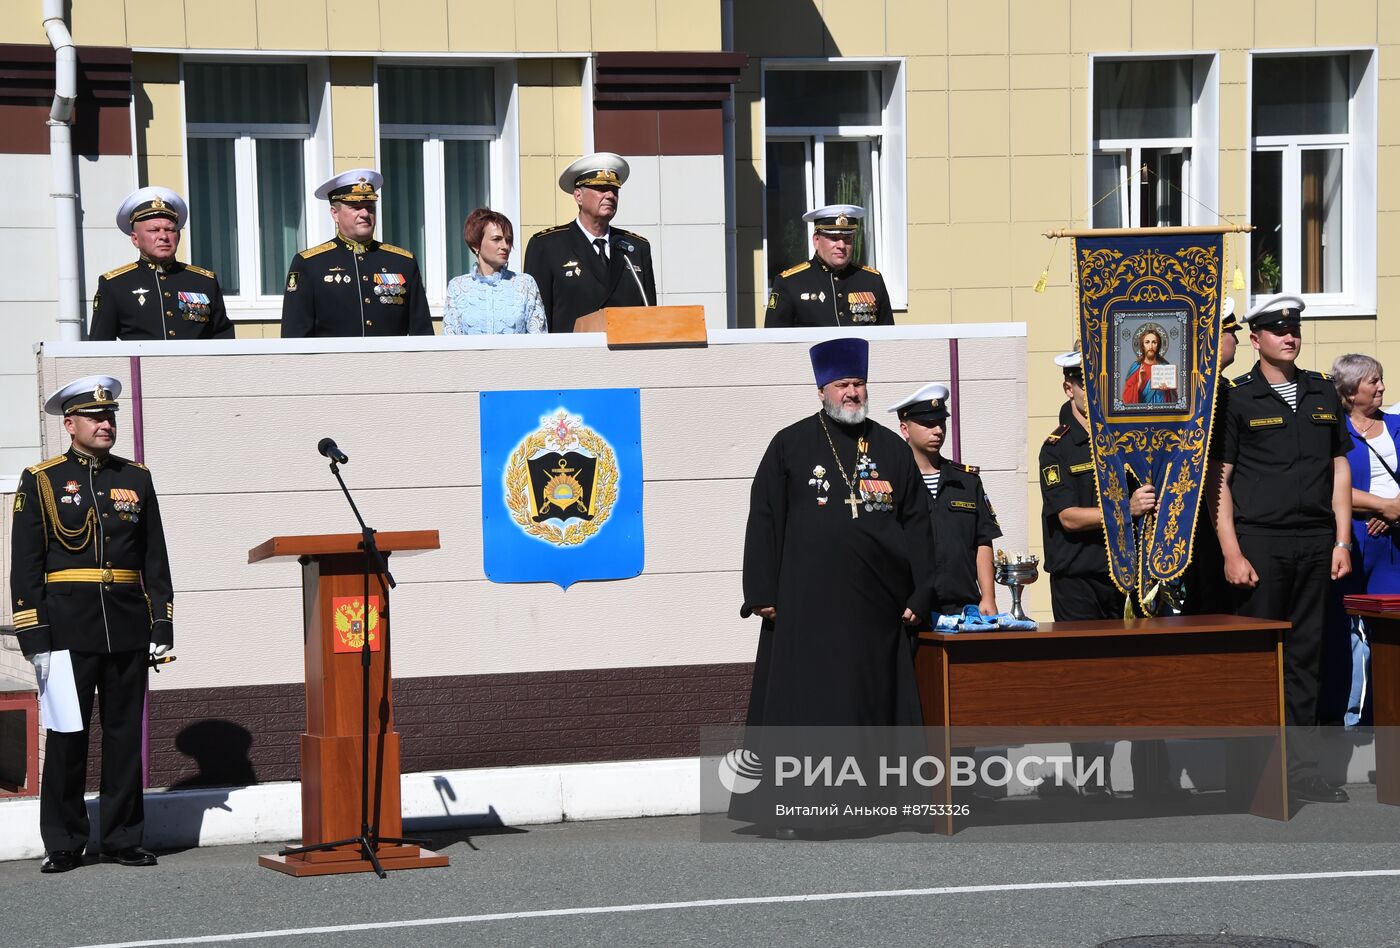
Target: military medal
(853,501)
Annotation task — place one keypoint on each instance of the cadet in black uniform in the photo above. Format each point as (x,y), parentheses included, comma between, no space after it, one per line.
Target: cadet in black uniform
(91,587)
(964,524)
(157,297)
(830,289)
(1285,514)
(587,264)
(353,285)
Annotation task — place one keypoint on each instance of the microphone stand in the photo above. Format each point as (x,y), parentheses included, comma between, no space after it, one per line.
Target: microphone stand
(369,839)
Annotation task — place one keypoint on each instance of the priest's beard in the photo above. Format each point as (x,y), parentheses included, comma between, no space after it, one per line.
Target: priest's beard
(847,416)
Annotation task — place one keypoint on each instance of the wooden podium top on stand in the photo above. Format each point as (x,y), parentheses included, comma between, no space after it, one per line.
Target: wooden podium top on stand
(647,327)
(329,544)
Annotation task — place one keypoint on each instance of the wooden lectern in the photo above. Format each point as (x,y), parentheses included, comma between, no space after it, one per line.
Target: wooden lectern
(335,618)
(647,327)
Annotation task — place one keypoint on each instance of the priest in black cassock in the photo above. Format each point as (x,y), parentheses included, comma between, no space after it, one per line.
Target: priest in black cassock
(836,562)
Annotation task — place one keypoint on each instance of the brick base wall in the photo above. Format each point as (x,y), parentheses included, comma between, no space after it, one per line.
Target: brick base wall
(245,735)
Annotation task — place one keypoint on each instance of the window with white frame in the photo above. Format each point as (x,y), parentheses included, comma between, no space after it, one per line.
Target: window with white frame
(1311,169)
(834,135)
(439,141)
(1154,147)
(249,128)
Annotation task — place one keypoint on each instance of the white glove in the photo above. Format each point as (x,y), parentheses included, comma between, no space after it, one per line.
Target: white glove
(158,650)
(41,665)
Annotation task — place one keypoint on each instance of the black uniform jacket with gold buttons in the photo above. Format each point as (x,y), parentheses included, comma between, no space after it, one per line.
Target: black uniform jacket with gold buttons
(813,294)
(1067,480)
(963,520)
(345,288)
(89,570)
(575,280)
(1282,480)
(146,300)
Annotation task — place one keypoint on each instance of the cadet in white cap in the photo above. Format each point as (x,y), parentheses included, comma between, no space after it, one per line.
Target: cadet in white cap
(833,288)
(587,264)
(91,591)
(157,297)
(1284,519)
(964,523)
(354,285)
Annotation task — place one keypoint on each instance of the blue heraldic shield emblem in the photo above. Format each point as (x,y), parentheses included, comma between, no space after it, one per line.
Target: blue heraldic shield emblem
(1149,321)
(561,475)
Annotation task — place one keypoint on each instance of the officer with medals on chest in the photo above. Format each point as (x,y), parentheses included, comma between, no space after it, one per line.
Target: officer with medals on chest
(157,297)
(964,524)
(1284,515)
(354,285)
(831,289)
(93,606)
(587,264)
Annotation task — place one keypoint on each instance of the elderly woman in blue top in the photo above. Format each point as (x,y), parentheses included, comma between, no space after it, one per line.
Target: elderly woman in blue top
(491,298)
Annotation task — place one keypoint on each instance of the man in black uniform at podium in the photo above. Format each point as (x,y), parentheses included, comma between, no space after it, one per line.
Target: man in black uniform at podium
(353,285)
(587,264)
(157,297)
(831,289)
(93,603)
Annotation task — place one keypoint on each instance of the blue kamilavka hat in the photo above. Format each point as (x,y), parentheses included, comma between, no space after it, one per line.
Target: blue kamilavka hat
(840,359)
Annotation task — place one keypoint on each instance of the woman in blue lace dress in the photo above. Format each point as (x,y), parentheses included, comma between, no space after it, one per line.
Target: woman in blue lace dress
(491,298)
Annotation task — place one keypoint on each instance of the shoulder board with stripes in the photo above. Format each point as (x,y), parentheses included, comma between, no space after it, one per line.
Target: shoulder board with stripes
(958,466)
(201,271)
(1242,380)
(119,271)
(797,269)
(628,233)
(552,230)
(45,465)
(1057,434)
(310,252)
(1318,375)
(871,270)
(398,250)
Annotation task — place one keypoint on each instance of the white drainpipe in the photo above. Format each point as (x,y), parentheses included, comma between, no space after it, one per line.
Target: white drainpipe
(65,192)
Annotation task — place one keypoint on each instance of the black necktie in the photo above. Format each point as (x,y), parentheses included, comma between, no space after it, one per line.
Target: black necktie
(600,245)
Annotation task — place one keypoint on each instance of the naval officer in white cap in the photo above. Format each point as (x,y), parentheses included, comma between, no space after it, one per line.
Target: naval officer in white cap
(354,285)
(157,297)
(587,263)
(831,289)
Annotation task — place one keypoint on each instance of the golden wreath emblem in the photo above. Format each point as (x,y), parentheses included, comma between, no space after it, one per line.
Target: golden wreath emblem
(562,433)
(351,623)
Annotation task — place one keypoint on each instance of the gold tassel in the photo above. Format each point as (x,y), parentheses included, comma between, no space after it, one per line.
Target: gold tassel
(1044,279)
(1239,278)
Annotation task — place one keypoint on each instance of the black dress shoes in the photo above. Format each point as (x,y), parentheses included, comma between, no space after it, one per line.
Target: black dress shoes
(131,856)
(62,860)
(1315,789)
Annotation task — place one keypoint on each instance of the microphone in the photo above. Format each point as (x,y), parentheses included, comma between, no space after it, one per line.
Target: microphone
(328,449)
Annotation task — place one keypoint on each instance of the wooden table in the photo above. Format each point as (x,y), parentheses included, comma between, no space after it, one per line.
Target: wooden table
(1383,631)
(1181,676)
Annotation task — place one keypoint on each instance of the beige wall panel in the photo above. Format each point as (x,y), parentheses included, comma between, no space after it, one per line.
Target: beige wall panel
(347,21)
(928,190)
(977,258)
(1040,122)
(982,27)
(536,120)
(93,22)
(1284,23)
(926,73)
(1048,317)
(779,28)
(752,276)
(284,25)
(155,67)
(1388,118)
(1222,24)
(167,171)
(568,119)
(1234,121)
(1387,185)
(989,305)
(916,27)
(1388,243)
(978,124)
(575,32)
(476,29)
(622,25)
(748,130)
(1041,71)
(156,23)
(165,127)
(352,110)
(1388,23)
(1039,26)
(1348,22)
(979,72)
(927,128)
(926,306)
(1349,331)
(929,266)
(980,190)
(853,29)
(1388,297)
(412,25)
(221,24)
(24,21)
(1161,25)
(1040,189)
(684,25)
(1234,67)
(1100,26)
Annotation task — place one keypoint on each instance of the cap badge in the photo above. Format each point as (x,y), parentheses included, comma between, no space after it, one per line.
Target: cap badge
(361,187)
(842,220)
(99,394)
(157,204)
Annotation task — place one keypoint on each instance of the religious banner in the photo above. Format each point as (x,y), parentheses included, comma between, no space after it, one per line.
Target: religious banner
(1149,327)
(561,485)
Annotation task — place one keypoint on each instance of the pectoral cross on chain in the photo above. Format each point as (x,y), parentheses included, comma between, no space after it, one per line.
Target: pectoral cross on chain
(854,503)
